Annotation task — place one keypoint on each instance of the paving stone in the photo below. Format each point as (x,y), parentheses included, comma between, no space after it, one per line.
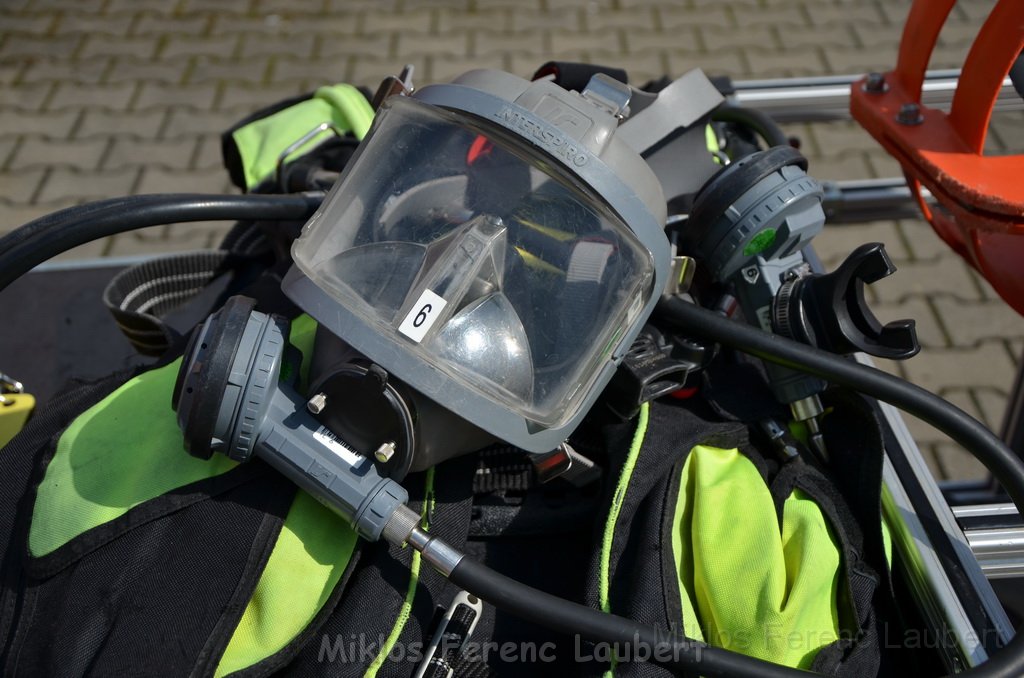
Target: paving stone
(946,275)
(589,5)
(7,146)
(992,404)
(836,241)
(283,6)
(897,12)
(609,41)
(127,152)
(980,320)
(16,123)
(235,95)
(43,152)
(444,69)
(929,436)
(955,463)
(27,96)
(681,40)
(412,45)
(208,154)
(19,187)
(165,71)
(371,46)
(295,45)
(940,369)
(769,63)
(252,70)
(333,70)
(81,71)
(30,46)
(28,24)
(11,70)
(418,20)
(853,60)
(72,95)
(640,67)
(858,13)
(184,122)
(449,20)
(930,331)
(159,180)
(161,7)
(523,5)
(921,240)
(154,25)
(346,6)
(142,124)
(85,6)
(673,18)
(488,44)
(220,6)
(716,38)
(839,167)
(639,19)
(881,165)
(159,95)
(219,46)
(788,18)
(101,45)
(65,184)
(93,25)
(839,136)
(336,25)
(872,36)
(1016,349)
(975,10)
(722,62)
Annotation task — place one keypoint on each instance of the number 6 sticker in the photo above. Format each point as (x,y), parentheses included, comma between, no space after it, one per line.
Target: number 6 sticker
(422,316)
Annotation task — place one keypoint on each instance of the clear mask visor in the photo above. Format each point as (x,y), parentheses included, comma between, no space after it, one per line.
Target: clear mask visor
(478,255)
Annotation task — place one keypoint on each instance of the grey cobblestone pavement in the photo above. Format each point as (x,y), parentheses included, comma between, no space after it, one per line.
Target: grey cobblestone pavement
(100,98)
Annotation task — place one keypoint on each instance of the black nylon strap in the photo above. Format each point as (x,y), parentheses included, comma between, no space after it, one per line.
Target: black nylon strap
(139,296)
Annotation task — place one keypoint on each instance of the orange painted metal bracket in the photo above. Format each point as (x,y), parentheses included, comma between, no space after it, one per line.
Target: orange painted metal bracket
(980,211)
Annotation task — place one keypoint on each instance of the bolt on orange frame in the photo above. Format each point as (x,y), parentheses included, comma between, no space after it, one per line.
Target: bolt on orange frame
(980,212)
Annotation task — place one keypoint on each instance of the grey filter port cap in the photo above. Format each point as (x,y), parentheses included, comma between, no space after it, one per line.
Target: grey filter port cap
(495,246)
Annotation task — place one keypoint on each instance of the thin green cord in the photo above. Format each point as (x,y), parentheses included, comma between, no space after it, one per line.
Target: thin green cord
(414,579)
(613,513)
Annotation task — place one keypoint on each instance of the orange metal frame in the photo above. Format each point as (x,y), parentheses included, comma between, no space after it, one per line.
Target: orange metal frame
(981,198)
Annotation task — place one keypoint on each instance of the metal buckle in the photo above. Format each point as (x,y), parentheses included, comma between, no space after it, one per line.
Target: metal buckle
(302,141)
(392,85)
(9,385)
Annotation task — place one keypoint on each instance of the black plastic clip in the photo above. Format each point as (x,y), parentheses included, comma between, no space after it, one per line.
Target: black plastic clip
(653,367)
(829,311)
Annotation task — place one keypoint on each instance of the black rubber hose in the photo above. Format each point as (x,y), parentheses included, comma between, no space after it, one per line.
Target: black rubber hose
(680,655)
(1006,466)
(756,120)
(39,240)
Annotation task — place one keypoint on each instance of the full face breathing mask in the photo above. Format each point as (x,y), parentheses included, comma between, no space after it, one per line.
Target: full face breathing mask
(477,273)
(494,248)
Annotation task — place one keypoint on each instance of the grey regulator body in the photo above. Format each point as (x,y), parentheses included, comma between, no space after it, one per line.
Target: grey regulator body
(229,400)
